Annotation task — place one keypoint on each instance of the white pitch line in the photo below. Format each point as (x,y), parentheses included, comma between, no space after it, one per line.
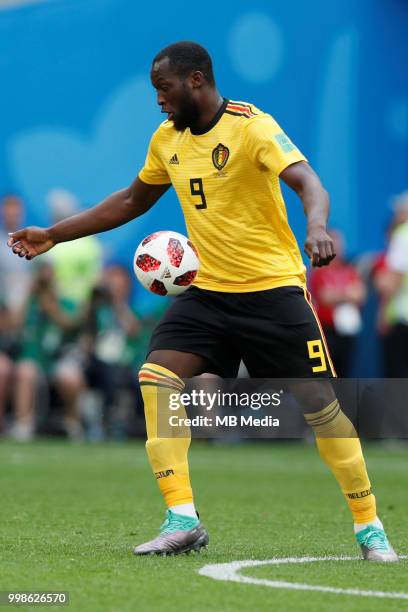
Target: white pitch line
(230,572)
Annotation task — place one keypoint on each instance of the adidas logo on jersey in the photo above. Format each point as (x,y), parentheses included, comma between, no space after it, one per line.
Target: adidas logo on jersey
(174,160)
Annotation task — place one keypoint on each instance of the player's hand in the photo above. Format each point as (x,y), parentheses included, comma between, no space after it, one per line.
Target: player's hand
(30,242)
(319,247)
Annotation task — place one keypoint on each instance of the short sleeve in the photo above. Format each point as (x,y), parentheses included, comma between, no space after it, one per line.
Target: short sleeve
(154,171)
(268,146)
(397,255)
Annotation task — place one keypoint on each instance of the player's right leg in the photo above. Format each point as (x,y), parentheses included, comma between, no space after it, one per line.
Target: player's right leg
(188,341)
(161,378)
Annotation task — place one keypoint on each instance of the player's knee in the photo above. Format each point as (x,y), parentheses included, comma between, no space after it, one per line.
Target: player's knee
(179,363)
(160,359)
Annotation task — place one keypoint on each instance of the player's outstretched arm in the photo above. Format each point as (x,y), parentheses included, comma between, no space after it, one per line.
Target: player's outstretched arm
(305,182)
(115,210)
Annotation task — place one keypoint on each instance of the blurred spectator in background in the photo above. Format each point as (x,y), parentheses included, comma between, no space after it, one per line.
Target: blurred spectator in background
(15,278)
(376,275)
(6,366)
(48,320)
(78,265)
(15,272)
(112,330)
(390,277)
(77,269)
(338,293)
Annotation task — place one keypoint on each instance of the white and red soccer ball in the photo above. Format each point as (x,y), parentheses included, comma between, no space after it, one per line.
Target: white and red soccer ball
(166,263)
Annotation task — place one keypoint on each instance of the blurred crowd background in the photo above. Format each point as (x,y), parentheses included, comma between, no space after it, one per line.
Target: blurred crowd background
(74,325)
(71,338)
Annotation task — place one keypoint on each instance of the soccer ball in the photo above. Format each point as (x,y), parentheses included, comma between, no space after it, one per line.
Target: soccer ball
(166,263)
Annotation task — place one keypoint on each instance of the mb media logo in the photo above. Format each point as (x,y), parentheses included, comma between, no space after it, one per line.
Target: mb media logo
(163,474)
(174,160)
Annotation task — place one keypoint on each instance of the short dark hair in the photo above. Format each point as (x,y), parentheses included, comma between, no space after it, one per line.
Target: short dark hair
(187,56)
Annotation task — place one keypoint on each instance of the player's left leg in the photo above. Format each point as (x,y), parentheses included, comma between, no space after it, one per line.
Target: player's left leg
(287,341)
(340,448)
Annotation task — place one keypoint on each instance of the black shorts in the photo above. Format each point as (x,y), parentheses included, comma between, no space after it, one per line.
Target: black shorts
(274,332)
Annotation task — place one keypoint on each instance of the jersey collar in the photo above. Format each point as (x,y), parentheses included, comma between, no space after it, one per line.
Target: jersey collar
(213,121)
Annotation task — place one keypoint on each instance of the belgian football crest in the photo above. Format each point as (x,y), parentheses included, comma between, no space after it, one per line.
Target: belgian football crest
(220,156)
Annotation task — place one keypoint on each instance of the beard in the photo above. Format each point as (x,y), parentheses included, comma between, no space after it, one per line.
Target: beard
(188,113)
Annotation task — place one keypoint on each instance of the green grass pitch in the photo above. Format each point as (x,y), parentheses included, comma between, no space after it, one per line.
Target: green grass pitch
(70,515)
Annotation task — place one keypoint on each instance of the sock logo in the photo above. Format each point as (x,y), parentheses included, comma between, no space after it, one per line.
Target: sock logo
(163,474)
(359,495)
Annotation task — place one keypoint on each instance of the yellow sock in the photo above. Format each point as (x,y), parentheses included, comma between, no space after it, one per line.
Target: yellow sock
(167,454)
(340,449)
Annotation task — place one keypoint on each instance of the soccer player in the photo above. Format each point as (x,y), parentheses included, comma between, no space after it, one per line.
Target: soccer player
(225,158)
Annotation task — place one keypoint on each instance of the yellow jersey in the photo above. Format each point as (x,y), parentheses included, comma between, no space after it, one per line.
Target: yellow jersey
(227,182)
